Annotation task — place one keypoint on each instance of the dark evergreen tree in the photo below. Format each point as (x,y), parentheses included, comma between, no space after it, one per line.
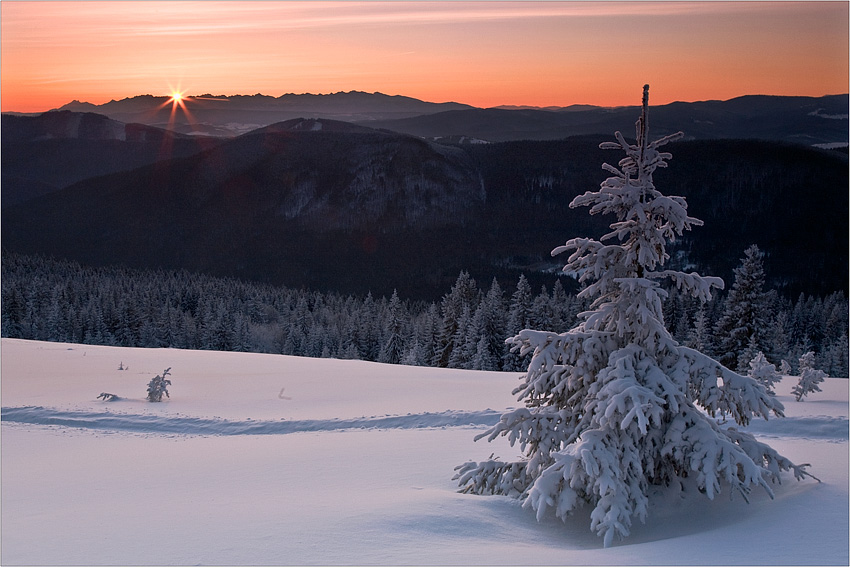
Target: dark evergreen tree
(393,348)
(367,333)
(742,329)
(491,327)
(429,339)
(698,336)
(518,319)
(562,319)
(462,342)
(835,358)
(541,315)
(463,295)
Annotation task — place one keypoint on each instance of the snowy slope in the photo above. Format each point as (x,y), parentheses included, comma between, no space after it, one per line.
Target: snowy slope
(262,459)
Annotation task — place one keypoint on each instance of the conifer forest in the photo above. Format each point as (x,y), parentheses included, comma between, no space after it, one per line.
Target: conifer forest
(59,300)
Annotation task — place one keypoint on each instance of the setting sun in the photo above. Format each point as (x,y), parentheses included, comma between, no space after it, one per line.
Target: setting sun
(178,102)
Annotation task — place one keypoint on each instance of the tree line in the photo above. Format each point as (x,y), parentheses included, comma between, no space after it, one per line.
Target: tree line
(58,300)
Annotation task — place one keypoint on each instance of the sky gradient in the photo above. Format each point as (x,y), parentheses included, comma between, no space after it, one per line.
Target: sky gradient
(479,53)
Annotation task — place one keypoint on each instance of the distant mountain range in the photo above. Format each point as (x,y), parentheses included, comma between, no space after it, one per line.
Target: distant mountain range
(803,120)
(338,206)
(230,115)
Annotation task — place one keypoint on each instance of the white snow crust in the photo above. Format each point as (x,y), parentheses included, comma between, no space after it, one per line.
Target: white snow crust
(260,459)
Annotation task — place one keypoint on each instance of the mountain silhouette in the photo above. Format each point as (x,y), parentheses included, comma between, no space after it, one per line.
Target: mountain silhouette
(803,120)
(235,114)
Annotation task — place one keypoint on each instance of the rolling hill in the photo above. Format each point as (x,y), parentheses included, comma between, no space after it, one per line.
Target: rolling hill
(334,206)
(44,153)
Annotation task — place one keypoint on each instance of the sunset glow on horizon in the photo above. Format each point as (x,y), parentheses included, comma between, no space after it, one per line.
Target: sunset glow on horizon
(479,53)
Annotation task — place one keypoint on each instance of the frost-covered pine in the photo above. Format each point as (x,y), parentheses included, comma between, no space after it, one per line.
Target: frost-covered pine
(159,386)
(611,406)
(810,377)
(785,368)
(764,372)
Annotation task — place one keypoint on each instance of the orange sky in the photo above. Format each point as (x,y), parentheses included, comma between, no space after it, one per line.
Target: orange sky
(480,53)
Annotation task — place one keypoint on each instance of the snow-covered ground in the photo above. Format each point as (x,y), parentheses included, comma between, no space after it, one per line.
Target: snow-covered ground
(261,459)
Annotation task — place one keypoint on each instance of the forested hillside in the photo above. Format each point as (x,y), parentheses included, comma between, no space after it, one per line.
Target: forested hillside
(62,301)
(300,208)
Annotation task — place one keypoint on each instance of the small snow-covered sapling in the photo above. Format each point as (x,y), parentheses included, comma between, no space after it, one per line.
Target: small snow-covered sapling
(764,372)
(159,386)
(810,377)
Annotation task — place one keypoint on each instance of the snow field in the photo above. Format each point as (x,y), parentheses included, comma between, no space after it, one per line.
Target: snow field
(371,484)
(238,386)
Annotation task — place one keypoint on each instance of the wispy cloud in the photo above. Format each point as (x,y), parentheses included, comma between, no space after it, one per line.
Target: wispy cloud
(186,19)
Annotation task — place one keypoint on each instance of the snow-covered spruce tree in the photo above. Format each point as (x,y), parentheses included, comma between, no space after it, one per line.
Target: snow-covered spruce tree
(810,377)
(762,371)
(159,386)
(611,405)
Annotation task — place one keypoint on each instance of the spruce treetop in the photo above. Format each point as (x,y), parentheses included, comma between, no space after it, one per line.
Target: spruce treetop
(646,221)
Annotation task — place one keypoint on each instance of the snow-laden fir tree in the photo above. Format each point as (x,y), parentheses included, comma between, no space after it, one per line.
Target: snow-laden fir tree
(763,372)
(611,406)
(810,377)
